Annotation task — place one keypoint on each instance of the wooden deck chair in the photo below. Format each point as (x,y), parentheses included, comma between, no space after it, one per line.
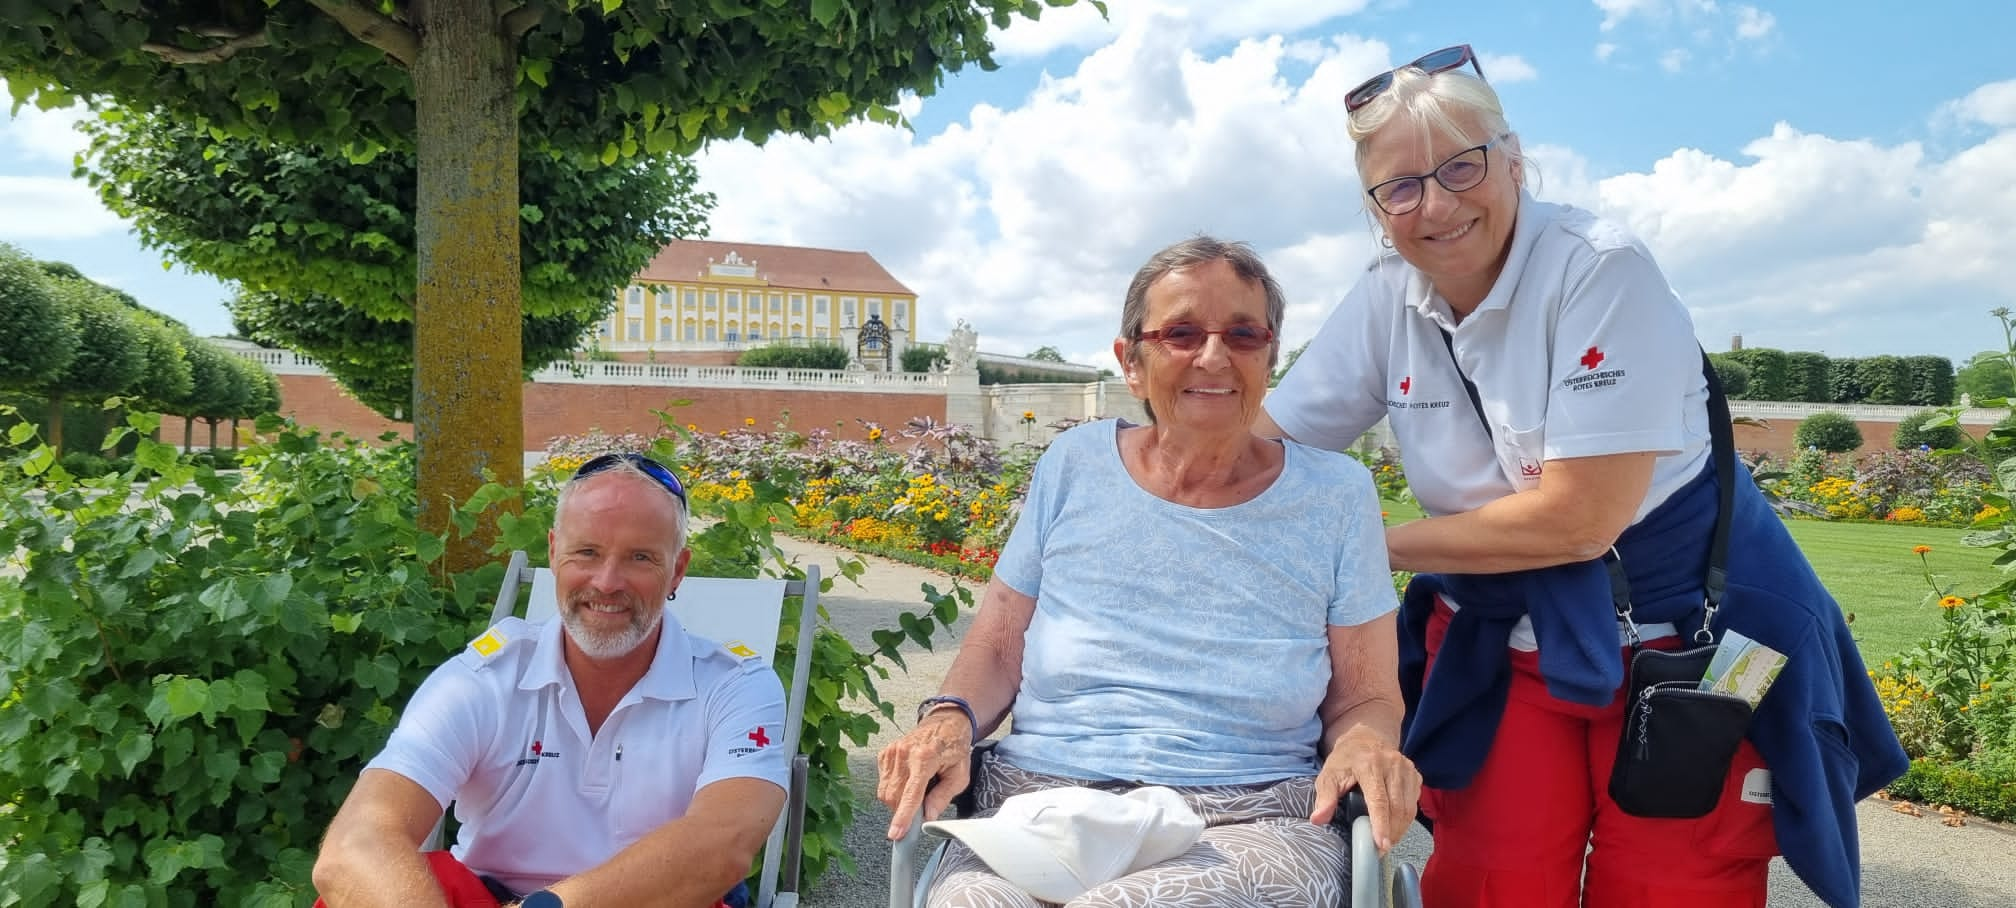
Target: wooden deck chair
(1376,881)
(743,616)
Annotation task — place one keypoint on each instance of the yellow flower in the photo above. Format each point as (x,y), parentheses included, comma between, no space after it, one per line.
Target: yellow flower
(748,420)
(692,428)
(874,434)
(734,474)
(1951,602)
(1029,415)
(1987,685)
(1921,549)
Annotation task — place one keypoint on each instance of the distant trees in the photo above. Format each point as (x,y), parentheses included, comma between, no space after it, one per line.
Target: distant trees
(1915,381)
(68,340)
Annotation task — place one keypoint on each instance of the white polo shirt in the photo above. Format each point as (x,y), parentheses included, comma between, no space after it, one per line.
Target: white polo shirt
(1581,349)
(499,730)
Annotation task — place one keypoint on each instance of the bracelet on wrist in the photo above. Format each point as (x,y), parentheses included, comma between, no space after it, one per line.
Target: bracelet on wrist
(931,704)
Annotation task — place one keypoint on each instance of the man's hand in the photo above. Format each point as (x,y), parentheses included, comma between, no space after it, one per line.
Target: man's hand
(940,748)
(1366,759)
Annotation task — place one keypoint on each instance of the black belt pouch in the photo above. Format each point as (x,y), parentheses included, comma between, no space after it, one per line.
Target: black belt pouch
(1678,740)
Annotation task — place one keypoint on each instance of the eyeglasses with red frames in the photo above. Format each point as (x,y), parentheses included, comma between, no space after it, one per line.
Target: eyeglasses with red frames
(657,471)
(1439,61)
(1184,337)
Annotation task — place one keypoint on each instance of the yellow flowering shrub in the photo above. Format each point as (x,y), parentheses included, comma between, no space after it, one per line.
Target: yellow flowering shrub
(1842,498)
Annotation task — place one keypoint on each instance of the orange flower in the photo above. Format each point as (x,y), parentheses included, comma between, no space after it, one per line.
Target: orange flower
(748,420)
(1951,602)
(1920,549)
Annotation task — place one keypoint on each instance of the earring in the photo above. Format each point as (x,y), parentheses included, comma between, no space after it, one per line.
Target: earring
(1386,240)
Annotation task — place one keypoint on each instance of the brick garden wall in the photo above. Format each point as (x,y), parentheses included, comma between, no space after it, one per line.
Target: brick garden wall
(554,409)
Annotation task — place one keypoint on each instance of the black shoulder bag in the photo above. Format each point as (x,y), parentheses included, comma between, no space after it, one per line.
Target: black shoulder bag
(1678,740)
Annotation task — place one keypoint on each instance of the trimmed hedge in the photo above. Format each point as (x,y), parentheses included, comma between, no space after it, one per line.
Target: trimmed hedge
(1919,381)
(1912,433)
(1977,793)
(784,356)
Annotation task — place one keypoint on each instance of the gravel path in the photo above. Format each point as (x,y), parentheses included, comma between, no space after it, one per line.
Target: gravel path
(1907,862)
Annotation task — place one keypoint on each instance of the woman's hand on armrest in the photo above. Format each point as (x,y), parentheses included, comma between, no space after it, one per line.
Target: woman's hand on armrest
(927,768)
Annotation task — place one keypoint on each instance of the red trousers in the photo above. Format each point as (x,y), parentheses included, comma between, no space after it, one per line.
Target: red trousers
(1521,834)
(460,884)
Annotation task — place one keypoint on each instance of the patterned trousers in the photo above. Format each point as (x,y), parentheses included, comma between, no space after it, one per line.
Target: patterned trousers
(1258,849)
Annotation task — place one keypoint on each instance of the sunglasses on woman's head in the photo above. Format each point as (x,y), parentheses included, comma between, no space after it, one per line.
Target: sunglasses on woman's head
(1184,337)
(657,471)
(1433,62)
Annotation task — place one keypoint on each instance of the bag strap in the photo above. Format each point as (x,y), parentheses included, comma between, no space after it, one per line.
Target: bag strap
(1476,401)
(1722,435)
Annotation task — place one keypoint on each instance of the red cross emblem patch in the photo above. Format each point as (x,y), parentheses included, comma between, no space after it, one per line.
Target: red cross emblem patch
(760,739)
(1406,383)
(1592,358)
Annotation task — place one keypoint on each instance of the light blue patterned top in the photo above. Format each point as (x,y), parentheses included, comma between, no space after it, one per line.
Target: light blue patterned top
(1175,645)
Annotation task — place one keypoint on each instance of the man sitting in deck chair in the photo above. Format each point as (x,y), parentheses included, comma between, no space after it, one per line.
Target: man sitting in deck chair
(606,758)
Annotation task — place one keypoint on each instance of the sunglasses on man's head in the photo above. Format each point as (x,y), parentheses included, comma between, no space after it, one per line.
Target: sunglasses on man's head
(1440,61)
(657,471)
(1185,337)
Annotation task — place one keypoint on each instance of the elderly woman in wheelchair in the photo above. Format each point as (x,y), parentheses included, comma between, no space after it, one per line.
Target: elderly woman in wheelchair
(1194,627)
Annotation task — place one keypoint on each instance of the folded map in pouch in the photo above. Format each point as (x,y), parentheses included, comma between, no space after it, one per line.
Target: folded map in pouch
(1742,667)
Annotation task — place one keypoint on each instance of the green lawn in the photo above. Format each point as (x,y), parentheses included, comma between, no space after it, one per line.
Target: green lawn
(1870,569)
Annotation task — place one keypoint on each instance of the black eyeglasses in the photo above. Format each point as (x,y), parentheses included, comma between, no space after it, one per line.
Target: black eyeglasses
(1185,337)
(1433,62)
(657,471)
(1461,172)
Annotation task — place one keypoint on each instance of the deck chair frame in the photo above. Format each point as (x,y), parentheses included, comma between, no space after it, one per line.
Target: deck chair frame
(777,885)
(1377,881)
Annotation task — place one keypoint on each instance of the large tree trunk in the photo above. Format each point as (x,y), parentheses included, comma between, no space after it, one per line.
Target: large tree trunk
(56,423)
(213,434)
(188,433)
(468,415)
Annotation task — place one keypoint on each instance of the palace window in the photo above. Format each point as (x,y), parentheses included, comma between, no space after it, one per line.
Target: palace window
(713,297)
(664,329)
(636,329)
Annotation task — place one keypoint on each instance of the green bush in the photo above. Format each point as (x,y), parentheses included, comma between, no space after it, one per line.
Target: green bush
(1770,373)
(1734,376)
(922,359)
(1912,433)
(785,356)
(1985,795)
(1829,431)
(1807,377)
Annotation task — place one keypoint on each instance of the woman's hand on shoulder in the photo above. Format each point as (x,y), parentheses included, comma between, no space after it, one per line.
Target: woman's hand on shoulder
(938,750)
(1365,759)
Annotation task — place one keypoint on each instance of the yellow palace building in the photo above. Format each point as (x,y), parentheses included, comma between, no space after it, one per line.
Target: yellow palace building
(703,295)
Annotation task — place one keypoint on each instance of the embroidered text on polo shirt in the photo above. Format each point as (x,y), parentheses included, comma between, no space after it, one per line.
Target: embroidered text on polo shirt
(1592,379)
(758,738)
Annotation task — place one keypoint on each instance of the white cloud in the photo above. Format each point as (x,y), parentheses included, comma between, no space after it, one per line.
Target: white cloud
(1029,222)
(1674,60)
(48,136)
(1080,26)
(1029,219)
(1753,24)
(1991,105)
(1507,69)
(1604,51)
(52,208)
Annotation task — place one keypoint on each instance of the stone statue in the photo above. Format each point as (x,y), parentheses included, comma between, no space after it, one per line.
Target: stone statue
(961,357)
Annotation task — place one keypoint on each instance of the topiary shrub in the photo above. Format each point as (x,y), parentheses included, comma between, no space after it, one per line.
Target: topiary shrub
(1734,376)
(785,356)
(1912,433)
(1830,431)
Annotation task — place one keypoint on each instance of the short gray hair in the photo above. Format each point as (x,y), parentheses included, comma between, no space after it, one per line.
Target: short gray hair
(1199,250)
(626,467)
(1431,102)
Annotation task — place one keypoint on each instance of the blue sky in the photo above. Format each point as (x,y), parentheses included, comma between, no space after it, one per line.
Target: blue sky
(1814,176)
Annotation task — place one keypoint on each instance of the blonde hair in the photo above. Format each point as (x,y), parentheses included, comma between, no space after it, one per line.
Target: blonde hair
(1431,104)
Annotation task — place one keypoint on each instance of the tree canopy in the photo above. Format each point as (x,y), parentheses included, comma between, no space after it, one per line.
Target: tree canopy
(456,82)
(35,339)
(325,248)
(1988,375)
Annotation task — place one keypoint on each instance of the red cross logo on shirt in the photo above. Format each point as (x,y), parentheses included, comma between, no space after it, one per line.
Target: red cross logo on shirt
(1405,383)
(535,748)
(1592,358)
(761,739)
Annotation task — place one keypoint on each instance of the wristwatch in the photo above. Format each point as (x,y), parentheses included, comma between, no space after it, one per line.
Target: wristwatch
(544,898)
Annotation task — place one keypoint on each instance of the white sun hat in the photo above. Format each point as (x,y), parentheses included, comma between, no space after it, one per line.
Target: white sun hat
(1059,842)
